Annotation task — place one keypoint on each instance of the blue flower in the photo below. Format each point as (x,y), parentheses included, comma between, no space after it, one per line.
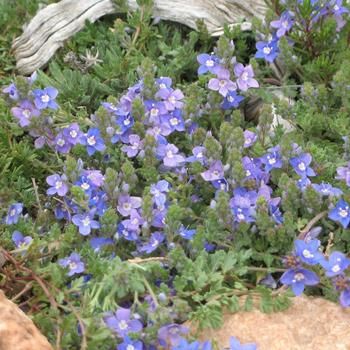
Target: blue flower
(129,344)
(267,50)
(272,160)
(301,165)
(208,63)
(85,222)
(97,243)
(13,213)
(308,252)
(123,323)
(187,234)
(45,98)
(93,141)
(74,264)
(341,213)
(185,345)
(336,264)
(20,241)
(12,91)
(232,100)
(236,345)
(327,189)
(156,239)
(299,278)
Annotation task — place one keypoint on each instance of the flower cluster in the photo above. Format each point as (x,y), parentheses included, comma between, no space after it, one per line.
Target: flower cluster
(304,16)
(222,83)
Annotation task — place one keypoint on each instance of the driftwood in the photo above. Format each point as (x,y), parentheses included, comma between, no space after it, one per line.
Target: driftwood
(56,23)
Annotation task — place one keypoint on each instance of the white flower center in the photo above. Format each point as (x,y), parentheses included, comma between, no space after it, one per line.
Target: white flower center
(154,112)
(285,24)
(162,86)
(135,221)
(307,254)
(73,134)
(209,63)
(13,212)
(248,173)
(126,122)
(172,99)
(26,113)
(302,166)
(240,216)
(170,154)
(299,276)
(130,347)
(247,141)
(200,155)
(85,186)
(86,221)
(61,142)
(230,99)
(123,325)
(91,140)
(336,8)
(72,265)
(155,243)
(58,185)
(244,76)
(272,160)
(267,50)
(343,212)
(222,83)
(45,98)
(174,121)
(126,206)
(336,268)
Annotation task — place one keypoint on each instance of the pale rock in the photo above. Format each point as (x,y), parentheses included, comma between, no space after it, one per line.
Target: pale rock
(17,331)
(309,324)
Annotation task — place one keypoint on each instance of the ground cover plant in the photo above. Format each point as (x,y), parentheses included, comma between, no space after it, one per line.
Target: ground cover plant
(137,193)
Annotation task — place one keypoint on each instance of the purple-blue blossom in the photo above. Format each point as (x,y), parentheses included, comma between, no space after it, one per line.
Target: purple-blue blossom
(245,77)
(208,63)
(126,203)
(123,323)
(85,222)
(129,344)
(14,213)
(93,141)
(298,279)
(215,171)
(283,24)
(341,213)
(336,264)
(25,112)
(343,173)
(58,185)
(156,239)
(222,83)
(45,98)
(20,241)
(171,334)
(267,50)
(272,160)
(172,98)
(74,264)
(236,345)
(301,164)
(326,189)
(12,91)
(169,154)
(136,144)
(308,252)
(231,100)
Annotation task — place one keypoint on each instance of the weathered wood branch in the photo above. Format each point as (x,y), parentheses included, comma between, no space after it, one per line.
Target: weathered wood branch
(56,23)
